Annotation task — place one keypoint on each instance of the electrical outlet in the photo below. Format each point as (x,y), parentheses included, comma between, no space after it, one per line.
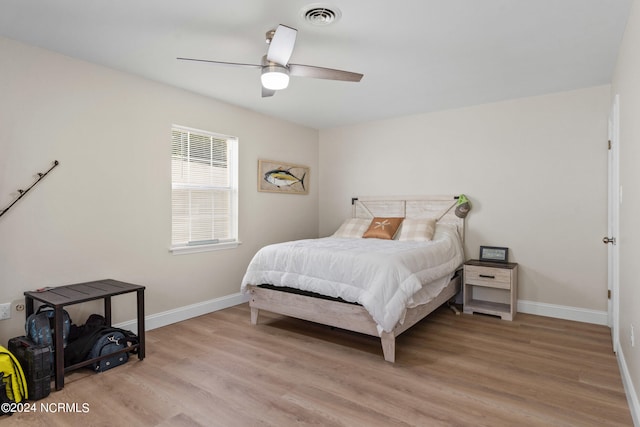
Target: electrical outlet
(5,311)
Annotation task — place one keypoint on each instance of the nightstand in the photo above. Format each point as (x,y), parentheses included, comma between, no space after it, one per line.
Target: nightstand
(501,277)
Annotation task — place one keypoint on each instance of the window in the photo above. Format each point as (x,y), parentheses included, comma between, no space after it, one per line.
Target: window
(204,194)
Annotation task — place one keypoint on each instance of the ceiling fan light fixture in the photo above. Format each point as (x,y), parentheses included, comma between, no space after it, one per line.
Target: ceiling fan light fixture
(274,77)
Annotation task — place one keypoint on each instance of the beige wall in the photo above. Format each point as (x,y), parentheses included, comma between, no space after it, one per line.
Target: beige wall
(627,84)
(105,211)
(535,170)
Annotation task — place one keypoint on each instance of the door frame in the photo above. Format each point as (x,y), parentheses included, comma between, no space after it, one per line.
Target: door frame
(613,222)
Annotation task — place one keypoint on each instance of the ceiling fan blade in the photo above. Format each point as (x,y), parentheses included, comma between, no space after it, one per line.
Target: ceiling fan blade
(281,46)
(235,64)
(323,73)
(267,92)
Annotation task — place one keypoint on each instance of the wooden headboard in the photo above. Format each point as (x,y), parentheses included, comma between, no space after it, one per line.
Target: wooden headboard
(442,207)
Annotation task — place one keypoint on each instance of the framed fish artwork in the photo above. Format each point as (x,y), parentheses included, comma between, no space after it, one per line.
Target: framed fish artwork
(279,177)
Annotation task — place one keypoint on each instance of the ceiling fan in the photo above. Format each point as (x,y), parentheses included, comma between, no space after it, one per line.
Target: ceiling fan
(276,68)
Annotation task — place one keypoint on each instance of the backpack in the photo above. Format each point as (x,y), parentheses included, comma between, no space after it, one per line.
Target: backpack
(40,326)
(13,380)
(98,339)
(84,336)
(4,399)
(109,341)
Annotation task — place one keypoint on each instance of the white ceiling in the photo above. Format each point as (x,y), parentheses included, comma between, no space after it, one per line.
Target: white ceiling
(416,55)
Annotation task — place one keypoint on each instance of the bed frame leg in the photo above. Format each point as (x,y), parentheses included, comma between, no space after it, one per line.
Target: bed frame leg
(453,308)
(254,315)
(388,340)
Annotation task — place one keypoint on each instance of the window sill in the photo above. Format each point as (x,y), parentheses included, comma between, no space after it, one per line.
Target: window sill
(183,250)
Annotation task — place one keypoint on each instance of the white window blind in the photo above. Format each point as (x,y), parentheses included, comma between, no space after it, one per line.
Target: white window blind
(203,188)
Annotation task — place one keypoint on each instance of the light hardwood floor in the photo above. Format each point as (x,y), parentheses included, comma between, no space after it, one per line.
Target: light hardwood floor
(466,370)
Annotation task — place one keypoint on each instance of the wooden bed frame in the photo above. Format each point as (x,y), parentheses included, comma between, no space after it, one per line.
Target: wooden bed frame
(354,317)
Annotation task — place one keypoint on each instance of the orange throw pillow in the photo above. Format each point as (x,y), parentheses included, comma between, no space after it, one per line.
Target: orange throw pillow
(383,228)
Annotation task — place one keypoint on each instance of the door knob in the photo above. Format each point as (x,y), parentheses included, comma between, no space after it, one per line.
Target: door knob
(611,240)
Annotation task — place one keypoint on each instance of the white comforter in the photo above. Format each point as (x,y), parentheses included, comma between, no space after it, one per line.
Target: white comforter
(385,276)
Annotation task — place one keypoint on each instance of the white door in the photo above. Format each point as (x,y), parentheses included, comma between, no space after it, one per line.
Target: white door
(614,200)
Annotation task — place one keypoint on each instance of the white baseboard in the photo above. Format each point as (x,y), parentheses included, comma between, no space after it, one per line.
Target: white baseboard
(563,312)
(165,318)
(630,391)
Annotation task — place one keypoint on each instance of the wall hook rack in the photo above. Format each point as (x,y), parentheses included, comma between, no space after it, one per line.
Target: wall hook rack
(23,192)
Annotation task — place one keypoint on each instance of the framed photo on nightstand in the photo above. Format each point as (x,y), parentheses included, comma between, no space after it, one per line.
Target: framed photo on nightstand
(494,254)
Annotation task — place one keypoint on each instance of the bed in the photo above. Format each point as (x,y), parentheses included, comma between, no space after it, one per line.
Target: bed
(372,286)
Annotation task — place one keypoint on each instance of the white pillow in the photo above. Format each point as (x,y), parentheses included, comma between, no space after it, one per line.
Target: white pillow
(353,228)
(417,230)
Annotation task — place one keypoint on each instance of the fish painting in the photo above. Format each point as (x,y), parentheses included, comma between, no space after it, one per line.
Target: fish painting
(284,178)
(281,177)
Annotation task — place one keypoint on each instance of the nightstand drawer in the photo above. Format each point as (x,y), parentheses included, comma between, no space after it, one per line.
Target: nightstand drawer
(487,276)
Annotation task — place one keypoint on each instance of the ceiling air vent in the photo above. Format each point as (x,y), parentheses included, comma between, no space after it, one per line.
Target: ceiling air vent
(320,15)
